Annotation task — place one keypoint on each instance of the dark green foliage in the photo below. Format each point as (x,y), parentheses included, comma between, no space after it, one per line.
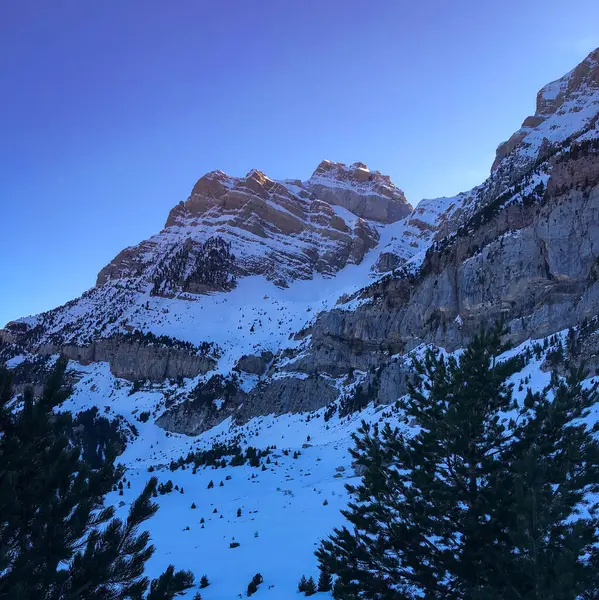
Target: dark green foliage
(325,581)
(330,411)
(195,264)
(257,579)
(136,387)
(204,583)
(252,588)
(481,501)
(165,488)
(556,356)
(554,463)
(57,540)
(147,338)
(310,589)
(218,387)
(234,545)
(95,435)
(361,397)
(33,370)
(214,457)
(171,583)
(301,586)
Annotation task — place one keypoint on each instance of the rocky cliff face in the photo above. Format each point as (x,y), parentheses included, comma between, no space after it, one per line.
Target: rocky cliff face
(283,230)
(136,361)
(135,358)
(564,107)
(534,265)
(317,291)
(522,247)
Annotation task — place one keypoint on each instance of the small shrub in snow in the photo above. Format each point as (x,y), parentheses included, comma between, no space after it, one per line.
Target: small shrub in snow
(254,583)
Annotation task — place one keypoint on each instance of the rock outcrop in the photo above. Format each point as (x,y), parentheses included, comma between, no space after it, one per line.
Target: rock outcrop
(254,364)
(287,395)
(135,361)
(364,193)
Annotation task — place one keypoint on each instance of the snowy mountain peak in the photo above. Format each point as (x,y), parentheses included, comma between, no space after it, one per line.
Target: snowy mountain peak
(367,194)
(565,107)
(356,175)
(283,230)
(583,79)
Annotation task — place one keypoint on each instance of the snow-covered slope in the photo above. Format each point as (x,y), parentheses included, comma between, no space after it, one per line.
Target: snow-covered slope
(287,505)
(296,293)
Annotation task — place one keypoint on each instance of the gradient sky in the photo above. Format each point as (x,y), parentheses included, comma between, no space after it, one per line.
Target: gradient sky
(111,110)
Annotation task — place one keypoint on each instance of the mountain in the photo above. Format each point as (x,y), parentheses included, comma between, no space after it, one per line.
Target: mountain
(283,230)
(283,312)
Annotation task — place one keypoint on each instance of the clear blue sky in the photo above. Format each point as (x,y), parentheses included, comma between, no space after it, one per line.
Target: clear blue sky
(111,110)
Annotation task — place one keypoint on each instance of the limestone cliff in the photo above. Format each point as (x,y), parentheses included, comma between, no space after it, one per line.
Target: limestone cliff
(310,293)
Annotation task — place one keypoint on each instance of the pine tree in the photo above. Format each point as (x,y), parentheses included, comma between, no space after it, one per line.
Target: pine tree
(301,586)
(325,581)
(57,540)
(473,505)
(310,589)
(254,583)
(552,520)
(170,584)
